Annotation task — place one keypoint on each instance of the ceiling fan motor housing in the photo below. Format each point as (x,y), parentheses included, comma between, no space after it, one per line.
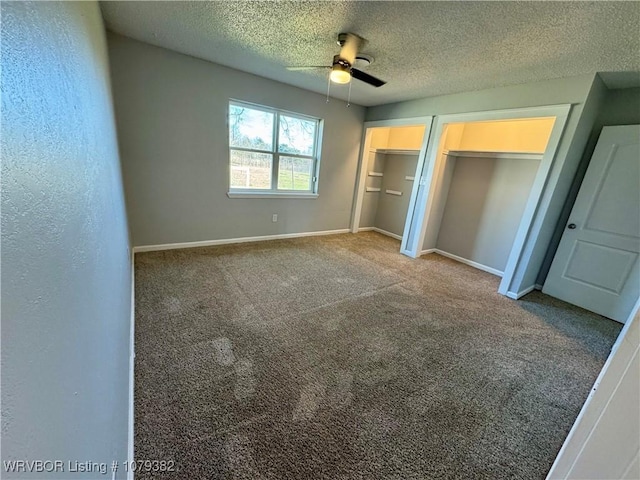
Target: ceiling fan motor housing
(342,37)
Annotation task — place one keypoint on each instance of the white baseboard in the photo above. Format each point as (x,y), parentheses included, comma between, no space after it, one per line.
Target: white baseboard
(388,234)
(522,293)
(379,230)
(427,251)
(227,241)
(516,296)
(132,357)
(477,265)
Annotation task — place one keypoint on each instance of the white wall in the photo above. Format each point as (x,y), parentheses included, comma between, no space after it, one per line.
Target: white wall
(484,207)
(171,111)
(406,138)
(529,135)
(604,443)
(66,273)
(577,91)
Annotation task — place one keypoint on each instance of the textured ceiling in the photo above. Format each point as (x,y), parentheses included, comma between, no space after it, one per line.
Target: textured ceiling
(420,48)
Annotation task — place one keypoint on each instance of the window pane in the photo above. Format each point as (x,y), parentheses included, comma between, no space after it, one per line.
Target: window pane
(249,128)
(296,135)
(295,173)
(250,169)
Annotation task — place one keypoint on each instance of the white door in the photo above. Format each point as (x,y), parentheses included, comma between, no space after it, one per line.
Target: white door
(596,266)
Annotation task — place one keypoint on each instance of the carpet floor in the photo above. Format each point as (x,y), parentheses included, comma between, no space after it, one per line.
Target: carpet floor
(338,358)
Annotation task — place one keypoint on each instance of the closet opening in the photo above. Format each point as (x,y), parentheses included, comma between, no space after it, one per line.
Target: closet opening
(391,157)
(481,187)
(486,176)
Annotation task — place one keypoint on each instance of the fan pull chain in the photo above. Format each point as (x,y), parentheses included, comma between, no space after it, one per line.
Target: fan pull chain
(349,97)
(328,87)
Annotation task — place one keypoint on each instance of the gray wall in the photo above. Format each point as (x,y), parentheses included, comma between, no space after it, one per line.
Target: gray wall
(392,209)
(66,271)
(171,113)
(484,208)
(371,199)
(551,92)
(622,107)
(575,91)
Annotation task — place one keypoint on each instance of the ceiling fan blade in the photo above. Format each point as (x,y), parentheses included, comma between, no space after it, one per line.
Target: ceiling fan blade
(350,48)
(366,78)
(312,67)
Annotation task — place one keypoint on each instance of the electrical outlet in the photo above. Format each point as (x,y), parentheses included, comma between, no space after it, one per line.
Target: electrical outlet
(274,218)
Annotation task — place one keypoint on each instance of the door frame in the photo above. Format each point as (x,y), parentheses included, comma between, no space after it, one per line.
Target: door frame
(363,161)
(423,200)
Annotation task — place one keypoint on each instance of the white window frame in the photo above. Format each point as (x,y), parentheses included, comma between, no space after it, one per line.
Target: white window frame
(274,192)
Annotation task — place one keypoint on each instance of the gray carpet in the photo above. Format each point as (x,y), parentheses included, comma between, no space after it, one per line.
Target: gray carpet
(338,358)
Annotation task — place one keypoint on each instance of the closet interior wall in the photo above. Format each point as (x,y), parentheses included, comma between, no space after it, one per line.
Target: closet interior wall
(483,188)
(392,161)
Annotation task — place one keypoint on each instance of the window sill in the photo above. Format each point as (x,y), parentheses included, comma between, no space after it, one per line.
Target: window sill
(296,196)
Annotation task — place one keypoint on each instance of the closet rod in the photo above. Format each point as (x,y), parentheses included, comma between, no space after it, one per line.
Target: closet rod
(494,154)
(395,151)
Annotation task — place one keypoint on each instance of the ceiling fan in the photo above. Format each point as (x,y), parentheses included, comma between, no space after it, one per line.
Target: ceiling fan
(342,68)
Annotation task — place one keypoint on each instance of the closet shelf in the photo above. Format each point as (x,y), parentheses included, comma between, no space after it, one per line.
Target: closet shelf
(493,154)
(395,151)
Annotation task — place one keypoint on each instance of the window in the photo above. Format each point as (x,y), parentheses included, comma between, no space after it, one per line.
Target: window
(272,152)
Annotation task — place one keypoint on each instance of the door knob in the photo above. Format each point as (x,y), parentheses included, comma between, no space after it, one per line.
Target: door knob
(571,226)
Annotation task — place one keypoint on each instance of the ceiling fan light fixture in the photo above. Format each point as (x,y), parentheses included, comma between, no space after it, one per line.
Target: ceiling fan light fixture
(340,74)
